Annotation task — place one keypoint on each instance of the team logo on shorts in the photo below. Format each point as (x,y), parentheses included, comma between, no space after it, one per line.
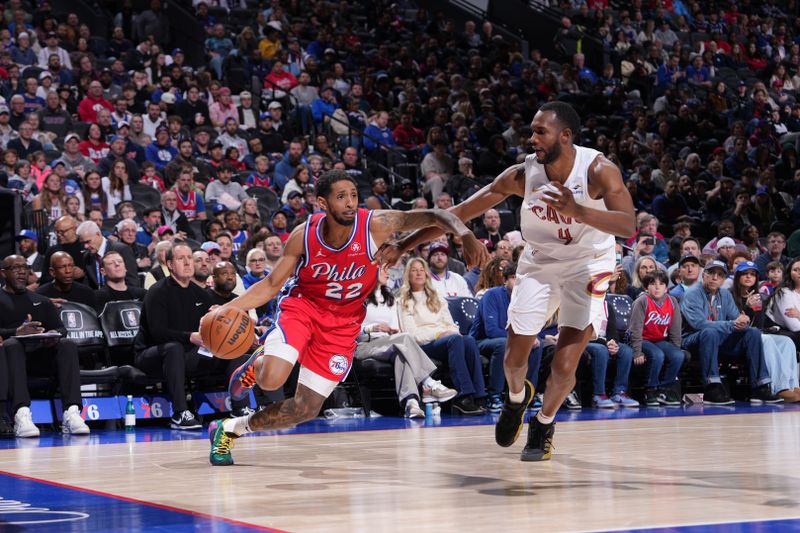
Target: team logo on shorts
(356,247)
(598,285)
(337,364)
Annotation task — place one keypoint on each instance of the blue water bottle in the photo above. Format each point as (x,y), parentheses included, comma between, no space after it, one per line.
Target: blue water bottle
(130,415)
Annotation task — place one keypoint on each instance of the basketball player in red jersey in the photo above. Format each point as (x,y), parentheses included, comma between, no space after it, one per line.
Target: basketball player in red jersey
(574,203)
(326,272)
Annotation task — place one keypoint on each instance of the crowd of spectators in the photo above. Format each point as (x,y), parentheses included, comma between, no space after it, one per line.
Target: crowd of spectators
(121,150)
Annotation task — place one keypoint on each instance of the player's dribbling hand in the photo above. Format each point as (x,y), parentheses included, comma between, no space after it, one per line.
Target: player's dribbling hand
(475,252)
(563,200)
(195,338)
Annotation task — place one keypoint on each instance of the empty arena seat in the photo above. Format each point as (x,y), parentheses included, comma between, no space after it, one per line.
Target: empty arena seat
(82,324)
(463,309)
(622,304)
(120,322)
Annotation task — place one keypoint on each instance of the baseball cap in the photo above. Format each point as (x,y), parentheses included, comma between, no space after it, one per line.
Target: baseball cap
(27,234)
(164,229)
(438,247)
(762,191)
(224,90)
(161,127)
(4,109)
(719,150)
(215,144)
(176,51)
(330,51)
(488,243)
(45,74)
(71,136)
(746,265)
(725,241)
(294,194)
(406,183)
(51,34)
(687,258)
(54,163)
(168,98)
(265,115)
(116,138)
(711,265)
(122,124)
(245,94)
(274,105)
(220,208)
(210,246)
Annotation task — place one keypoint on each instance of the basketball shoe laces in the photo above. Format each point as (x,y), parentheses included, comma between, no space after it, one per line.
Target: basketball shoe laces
(248,378)
(224,445)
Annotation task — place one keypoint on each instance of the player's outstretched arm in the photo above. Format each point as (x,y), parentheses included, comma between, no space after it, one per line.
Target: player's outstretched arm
(605,180)
(266,289)
(385,222)
(511,181)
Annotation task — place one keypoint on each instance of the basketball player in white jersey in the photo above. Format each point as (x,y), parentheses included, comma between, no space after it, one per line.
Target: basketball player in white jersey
(574,203)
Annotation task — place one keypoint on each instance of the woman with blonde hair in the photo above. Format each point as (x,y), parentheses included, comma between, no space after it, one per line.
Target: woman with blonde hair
(425,315)
(52,199)
(249,213)
(644,265)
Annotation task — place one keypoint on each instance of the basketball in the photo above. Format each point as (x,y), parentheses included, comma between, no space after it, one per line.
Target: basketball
(227,332)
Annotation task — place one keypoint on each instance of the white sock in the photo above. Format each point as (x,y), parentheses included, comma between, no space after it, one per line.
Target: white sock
(238,426)
(516,397)
(429,382)
(544,419)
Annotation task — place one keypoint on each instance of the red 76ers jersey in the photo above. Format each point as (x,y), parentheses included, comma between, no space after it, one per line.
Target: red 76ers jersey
(336,280)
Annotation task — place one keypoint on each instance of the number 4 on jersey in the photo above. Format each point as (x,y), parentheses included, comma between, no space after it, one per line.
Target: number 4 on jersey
(565,235)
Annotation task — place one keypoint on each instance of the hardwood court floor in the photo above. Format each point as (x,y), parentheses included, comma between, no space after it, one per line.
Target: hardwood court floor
(605,474)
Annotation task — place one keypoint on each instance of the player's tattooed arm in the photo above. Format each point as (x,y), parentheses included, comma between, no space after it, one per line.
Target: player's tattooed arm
(386,222)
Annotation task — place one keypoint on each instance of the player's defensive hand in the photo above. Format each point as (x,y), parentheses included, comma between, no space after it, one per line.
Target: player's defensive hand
(475,253)
(195,338)
(388,254)
(563,200)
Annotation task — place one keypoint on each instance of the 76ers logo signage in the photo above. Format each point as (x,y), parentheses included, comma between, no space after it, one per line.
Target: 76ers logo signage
(337,364)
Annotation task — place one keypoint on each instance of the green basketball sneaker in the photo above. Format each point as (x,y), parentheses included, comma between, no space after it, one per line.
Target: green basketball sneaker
(221,444)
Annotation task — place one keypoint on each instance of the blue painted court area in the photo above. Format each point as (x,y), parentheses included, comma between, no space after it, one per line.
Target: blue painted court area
(766,526)
(33,505)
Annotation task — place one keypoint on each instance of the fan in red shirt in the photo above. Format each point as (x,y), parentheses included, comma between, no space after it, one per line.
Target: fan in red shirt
(280,78)
(326,272)
(406,135)
(94,102)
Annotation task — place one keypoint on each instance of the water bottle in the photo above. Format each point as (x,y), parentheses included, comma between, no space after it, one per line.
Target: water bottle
(428,410)
(436,410)
(130,415)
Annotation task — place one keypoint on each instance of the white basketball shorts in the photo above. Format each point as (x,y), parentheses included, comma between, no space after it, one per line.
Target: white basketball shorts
(574,287)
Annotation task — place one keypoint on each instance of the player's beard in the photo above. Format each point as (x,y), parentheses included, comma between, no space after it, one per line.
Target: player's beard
(342,221)
(550,155)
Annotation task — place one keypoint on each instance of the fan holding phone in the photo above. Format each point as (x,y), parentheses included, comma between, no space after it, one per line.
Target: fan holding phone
(644,247)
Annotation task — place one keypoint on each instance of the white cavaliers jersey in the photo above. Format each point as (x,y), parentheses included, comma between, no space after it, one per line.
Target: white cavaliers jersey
(549,233)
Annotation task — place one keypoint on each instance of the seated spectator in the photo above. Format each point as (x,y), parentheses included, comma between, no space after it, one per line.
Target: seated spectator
(482,279)
(173,217)
(94,195)
(62,288)
(424,314)
(96,247)
(25,144)
(23,312)
(648,224)
(780,355)
(28,242)
(644,265)
(381,339)
(445,282)
(92,103)
(655,336)
(725,229)
(775,275)
(94,147)
(489,329)
(491,227)
(159,270)
(609,344)
(436,168)
(689,267)
(776,246)
(716,328)
(233,225)
(225,191)
(783,306)
(126,230)
(300,179)
(190,200)
(256,267)
(117,186)
(168,341)
(115,288)
(160,152)
(323,108)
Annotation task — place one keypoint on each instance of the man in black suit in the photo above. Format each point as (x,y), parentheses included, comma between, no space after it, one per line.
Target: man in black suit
(96,247)
(62,288)
(66,233)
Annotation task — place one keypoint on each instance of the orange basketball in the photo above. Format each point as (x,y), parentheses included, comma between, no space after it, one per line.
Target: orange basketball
(227,332)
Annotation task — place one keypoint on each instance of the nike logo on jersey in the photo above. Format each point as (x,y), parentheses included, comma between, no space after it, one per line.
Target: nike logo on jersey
(198,304)
(36,303)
